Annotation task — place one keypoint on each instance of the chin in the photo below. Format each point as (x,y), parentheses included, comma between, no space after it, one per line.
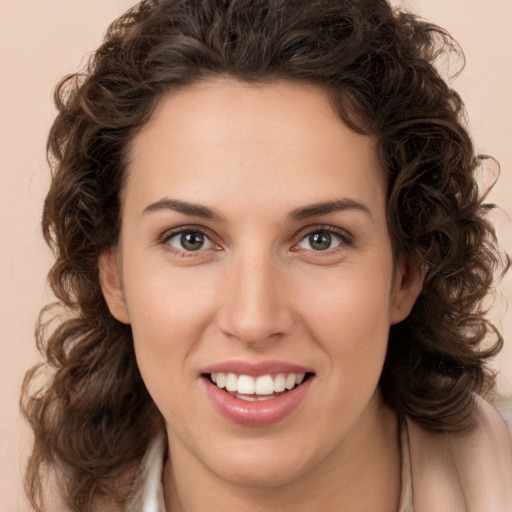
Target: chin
(263,465)
(263,475)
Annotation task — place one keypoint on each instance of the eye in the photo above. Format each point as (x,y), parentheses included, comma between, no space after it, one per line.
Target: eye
(189,241)
(321,240)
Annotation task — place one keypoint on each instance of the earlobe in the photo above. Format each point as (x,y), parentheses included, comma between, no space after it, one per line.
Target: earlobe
(110,281)
(407,287)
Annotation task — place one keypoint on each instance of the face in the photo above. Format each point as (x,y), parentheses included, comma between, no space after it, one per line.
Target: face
(254,253)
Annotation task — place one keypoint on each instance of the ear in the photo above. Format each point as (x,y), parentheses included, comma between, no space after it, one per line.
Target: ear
(111,284)
(407,287)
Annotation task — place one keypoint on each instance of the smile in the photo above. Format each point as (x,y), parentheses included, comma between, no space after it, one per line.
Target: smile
(257,395)
(249,388)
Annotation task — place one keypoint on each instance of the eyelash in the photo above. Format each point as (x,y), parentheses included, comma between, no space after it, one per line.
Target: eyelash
(345,237)
(168,235)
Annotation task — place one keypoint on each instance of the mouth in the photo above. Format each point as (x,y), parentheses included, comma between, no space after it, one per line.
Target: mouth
(257,389)
(257,394)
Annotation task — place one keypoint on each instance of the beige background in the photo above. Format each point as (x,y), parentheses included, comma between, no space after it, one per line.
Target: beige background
(40,41)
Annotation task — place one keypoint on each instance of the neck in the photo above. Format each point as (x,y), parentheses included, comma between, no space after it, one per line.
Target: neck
(362,473)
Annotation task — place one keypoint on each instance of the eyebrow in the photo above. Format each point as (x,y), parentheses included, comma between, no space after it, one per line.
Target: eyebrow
(327,207)
(184,207)
(299,214)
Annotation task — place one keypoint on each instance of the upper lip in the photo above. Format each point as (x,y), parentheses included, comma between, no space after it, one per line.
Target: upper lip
(255,369)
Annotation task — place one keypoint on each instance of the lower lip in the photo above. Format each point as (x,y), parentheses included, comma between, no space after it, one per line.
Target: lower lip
(257,414)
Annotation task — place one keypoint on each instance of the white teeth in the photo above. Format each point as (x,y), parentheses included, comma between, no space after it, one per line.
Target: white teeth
(264,385)
(246,385)
(254,398)
(280,383)
(221,380)
(290,381)
(231,382)
(260,386)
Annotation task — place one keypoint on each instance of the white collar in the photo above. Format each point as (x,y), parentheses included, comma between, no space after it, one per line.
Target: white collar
(148,493)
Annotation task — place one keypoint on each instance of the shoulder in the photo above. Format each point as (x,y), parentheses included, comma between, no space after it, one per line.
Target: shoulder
(471,470)
(503,404)
(483,459)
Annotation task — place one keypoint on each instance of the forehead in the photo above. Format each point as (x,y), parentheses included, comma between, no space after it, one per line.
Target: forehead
(272,142)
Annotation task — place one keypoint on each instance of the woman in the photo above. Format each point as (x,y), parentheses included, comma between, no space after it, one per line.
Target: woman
(272,254)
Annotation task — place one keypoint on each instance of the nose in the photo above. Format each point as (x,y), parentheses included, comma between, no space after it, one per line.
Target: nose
(255,305)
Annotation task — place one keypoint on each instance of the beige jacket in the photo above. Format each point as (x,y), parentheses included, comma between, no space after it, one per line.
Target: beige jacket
(470,472)
(442,472)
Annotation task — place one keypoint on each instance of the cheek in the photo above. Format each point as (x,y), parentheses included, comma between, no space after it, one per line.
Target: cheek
(349,317)
(169,314)
(167,301)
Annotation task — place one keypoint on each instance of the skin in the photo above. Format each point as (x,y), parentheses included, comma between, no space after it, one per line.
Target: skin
(259,290)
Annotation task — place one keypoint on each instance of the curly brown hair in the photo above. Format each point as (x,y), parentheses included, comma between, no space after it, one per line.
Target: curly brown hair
(93,418)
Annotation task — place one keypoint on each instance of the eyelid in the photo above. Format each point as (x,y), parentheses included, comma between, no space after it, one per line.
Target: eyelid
(173,232)
(345,236)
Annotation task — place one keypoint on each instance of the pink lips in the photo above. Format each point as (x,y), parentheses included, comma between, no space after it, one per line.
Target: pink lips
(255,369)
(259,413)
